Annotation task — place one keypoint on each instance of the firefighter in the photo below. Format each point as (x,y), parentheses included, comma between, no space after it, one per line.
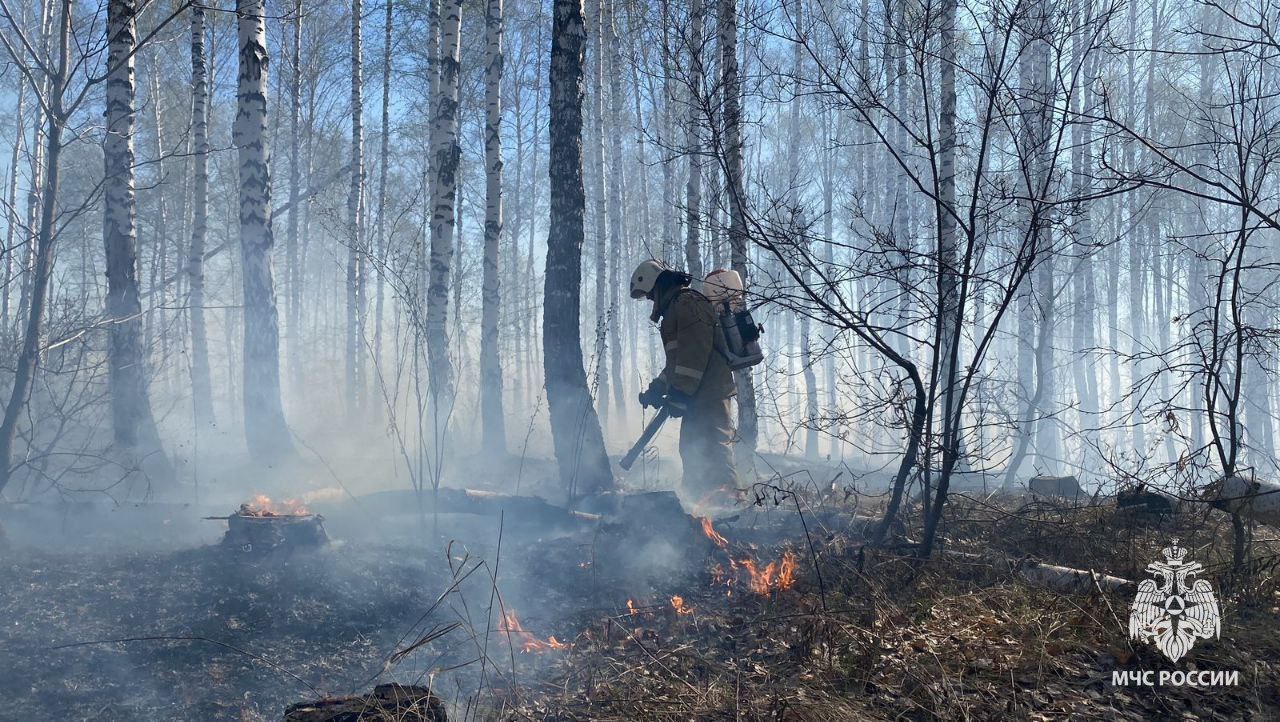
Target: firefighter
(696,383)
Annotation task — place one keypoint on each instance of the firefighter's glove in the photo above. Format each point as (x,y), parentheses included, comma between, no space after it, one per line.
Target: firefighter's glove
(677,403)
(652,396)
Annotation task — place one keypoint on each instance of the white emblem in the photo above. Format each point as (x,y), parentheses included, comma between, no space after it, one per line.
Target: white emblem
(1172,611)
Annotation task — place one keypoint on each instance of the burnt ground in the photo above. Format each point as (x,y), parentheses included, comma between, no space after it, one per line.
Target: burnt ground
(216,633)
(220,634)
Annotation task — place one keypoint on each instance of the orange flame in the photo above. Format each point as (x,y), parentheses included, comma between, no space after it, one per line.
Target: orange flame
(631,608)
(262,505)
(712,534)
(519,635)
(677,603)
(776,576)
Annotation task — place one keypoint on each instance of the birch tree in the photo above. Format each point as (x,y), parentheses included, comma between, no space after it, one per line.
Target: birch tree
(384,155)
(693,145)
(266,432)
(494,426)
(201,386)
(293,305)
(617,197)
(355,220)
(727,24)
(132,423)
(599,211)
(575,428)
(444,143)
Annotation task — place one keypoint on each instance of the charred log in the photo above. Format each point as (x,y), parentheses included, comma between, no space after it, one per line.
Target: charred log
(387,702)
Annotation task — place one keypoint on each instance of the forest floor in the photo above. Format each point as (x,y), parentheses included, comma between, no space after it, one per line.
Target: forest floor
(733,632)
(884,637)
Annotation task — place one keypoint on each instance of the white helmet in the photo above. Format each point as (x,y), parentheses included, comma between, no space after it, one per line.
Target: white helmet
(645,276)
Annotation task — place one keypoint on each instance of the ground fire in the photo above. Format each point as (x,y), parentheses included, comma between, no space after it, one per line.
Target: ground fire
(525,640)
(263,505)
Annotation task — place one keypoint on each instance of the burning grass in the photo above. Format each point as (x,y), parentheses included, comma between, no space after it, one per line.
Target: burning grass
(524,640)
(893,638)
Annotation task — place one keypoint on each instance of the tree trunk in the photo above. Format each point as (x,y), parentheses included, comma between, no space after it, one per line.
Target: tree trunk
(293,308)
(12,220)
(444,142)
(1082,282)
(670,243)
(201,386)
(599,211)
(579,444)
(693,147)
(949,316)
(42,269)
(133,426)
(494,427)
(748,428)
(384,155)
(355,224)
(617,202)
(266,432)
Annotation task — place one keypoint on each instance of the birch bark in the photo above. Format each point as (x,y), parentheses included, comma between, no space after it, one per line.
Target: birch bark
(355,222)
(201,386)
(266,432)
(727,22)
(132,423)
(444,142)
(494,427)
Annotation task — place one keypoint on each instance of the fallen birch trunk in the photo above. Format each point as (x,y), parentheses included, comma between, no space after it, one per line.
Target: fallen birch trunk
(1252,499)
(1048,576)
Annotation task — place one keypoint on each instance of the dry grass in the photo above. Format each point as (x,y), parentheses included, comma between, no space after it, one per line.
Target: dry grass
(940,640)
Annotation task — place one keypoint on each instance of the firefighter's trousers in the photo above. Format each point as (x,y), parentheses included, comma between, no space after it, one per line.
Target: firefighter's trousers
(706,446)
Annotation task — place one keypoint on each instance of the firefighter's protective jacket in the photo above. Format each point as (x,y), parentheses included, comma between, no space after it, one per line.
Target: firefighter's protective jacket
(688,329)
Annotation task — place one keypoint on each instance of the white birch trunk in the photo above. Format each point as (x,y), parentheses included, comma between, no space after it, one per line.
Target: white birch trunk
(748,426)
(293,307)
(355,223)
(444,143)
(12,220)
(599,212)
(133,425)
(266,432)
(201,386)
(693,146)
(1251,498)
(384,156)
(617,201)
(949,318)
(494,427)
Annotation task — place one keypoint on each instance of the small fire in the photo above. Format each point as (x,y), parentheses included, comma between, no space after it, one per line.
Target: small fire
(262,505)
(712,534)
(775,576)
(677,603)
(631,608)
(519,635)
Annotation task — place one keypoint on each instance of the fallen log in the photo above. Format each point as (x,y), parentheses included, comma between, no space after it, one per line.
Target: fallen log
(387,702)
(1250,498)
(1047,576)
(449,500)
(1056,487)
